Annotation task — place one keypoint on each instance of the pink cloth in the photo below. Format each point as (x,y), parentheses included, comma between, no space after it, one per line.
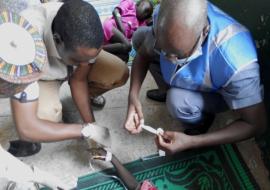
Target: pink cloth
(127,9)
(147,185)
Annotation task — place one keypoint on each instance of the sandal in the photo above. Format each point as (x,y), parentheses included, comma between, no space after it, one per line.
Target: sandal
(98,102)
(100,154)
(19,148)
(156,95)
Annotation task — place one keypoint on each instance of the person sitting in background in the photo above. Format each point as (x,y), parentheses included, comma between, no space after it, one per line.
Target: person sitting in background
(118,29)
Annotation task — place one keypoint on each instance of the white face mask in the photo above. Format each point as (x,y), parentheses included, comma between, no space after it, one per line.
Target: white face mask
(195,54)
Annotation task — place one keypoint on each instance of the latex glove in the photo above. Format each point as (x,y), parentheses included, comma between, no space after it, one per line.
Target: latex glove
(135,117)
(99,134)
(15,170)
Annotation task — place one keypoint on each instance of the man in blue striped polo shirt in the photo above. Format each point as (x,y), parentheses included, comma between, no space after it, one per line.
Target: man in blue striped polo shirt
(208,64)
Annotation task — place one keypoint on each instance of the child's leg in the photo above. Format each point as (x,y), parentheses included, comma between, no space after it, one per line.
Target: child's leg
(124,174)
(119,44)
(128,179)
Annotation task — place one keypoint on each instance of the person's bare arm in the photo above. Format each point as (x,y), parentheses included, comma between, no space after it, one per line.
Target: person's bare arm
(80,93)
(31,128)
(139,69)
(127,178)
(117,18)
(119,43)
(252,122)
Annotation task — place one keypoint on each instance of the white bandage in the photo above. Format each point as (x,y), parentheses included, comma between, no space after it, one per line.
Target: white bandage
(160,131)
(161,153)
(142,122)
(108,157)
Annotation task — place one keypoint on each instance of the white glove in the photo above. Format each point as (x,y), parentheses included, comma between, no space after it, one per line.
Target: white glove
(99,134)
(15,170)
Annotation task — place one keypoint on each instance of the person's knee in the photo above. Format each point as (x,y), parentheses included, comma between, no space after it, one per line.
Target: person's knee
(51,113)
(123,79)
(49,105)
(155,71)
(154,67)
(126,47)
(139,36)
(181,108)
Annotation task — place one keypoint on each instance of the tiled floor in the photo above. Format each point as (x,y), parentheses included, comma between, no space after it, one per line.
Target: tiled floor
(69,159)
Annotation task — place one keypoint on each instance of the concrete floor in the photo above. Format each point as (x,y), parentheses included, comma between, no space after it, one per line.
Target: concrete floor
(69,160)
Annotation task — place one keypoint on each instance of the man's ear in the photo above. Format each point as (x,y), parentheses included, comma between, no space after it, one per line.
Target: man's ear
(57,38)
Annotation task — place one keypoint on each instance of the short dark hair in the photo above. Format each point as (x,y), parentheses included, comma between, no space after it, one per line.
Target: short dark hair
(149,9)
(78,24)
